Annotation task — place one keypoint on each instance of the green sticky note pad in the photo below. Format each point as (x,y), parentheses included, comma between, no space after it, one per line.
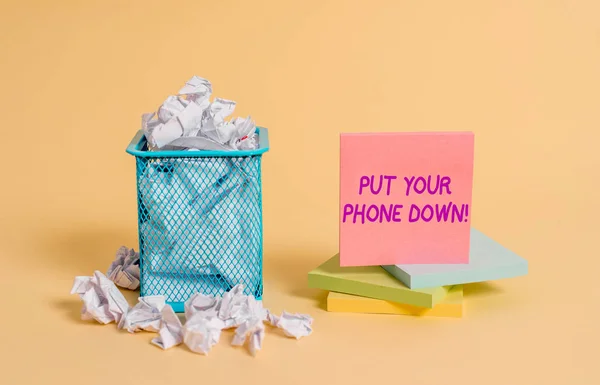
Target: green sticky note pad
(372,282)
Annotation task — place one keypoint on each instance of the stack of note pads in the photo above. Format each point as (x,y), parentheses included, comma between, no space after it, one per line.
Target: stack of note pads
(420,290)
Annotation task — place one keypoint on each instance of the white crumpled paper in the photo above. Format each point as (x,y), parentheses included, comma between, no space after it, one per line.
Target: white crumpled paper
(234,308)
(171,331)
(206,316)
(293,325)
(189,121)
(196,88)
(102,300)
(201,332)
(254,328)
(200,303)
(146,315)
(152,314)
(125,270)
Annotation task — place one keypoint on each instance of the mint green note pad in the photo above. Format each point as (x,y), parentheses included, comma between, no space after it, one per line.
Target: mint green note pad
(488,261)
(371,282)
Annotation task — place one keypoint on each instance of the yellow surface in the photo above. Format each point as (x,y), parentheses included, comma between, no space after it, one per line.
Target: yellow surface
(524,75)
(451,306)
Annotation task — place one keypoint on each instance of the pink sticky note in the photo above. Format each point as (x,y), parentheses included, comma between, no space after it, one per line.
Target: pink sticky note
(405,198)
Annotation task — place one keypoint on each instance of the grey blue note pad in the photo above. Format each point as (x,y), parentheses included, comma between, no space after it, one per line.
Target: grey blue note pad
(488,261)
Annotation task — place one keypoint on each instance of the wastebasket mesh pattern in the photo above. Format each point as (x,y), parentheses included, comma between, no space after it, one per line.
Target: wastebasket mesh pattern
(200,225)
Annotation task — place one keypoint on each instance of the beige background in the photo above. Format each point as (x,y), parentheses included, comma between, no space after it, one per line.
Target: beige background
(523,75)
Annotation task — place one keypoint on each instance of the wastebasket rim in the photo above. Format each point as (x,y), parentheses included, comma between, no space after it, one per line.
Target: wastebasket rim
(139,140)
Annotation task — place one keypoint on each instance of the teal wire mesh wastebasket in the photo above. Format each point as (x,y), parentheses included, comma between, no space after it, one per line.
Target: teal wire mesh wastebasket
(199,220)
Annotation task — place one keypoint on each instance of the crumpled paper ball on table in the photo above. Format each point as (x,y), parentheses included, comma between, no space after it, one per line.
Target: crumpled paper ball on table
(125,269)
(206,316)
